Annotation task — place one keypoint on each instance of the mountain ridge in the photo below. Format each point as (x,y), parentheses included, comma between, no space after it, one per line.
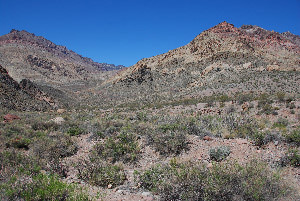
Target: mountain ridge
(221,60)
(248,41)
(27,56)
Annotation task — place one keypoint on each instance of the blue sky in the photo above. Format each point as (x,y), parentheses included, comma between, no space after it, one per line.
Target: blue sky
(125,31)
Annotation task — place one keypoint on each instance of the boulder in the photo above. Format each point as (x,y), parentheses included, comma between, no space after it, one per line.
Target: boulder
(207,138)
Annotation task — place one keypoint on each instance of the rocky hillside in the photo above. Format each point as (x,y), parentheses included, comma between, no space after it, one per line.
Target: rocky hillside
(38,59)
(221,59)
(24,96)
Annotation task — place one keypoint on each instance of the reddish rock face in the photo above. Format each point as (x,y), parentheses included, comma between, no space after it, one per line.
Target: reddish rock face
(10,117)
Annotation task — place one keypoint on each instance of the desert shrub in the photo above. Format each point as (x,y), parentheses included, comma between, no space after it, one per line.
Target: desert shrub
(294,137)
(16,136)
(197,128)
(54,147)
(291,157)
(224,181)
(266,109)
(141,116)
(242,98)
(210,103)
(219,153)
(52,150)
(264,99)
(123,146)
(290,105)
(280,96)
(168,142)
(75,131)
(281,123)
(262,138)
(259,138)
(243,128)
(224,98)
(231,109)
(41,187)
(98,173)
(170,127)
(289,99)
(108,128)
(19,142)
(13,163)
(44,126)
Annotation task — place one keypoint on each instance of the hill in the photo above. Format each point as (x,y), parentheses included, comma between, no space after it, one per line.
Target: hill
(27,56)
(222,59)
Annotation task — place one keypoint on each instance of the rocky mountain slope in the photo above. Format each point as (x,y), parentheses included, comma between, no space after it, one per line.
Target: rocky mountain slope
(221,59)
(38,59)
(24,95)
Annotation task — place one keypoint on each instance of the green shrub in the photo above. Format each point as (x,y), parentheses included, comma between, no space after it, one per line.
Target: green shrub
(75,131)
(19,142)
(107,128)
(267,109)
(292,157)
(13,163)
(228,181)
(170,127)
(291,105)
(281,123)
(280,96)
(247,128)
(55,147)
(51,150)
(242,98)
(294,137)
(219,153)
(259,138)
(123,146)
(44,126)
(264,99)
(262,138)
(101,174)
(224,98)
(169,142)
(42,187)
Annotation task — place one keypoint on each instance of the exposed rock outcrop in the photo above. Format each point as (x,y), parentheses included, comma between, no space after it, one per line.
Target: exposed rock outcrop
(24,96)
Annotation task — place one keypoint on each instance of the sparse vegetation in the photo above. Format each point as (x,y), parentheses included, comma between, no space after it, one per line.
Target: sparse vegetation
(195,104)
(219,153)
(122,146)
(294,137)
(188,181)
(98,173)
(292,157)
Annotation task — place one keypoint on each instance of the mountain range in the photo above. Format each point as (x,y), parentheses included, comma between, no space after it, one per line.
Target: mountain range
(222,59)
(215,119)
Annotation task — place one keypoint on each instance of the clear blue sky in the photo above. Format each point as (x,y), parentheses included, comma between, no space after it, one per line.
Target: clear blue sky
(125,31)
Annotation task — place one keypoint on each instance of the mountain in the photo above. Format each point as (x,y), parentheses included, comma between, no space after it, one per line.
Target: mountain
(24,96)
(222,59)
(27,56)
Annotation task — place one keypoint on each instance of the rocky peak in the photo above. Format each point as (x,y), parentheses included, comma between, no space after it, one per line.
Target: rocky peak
(292,37)
(223,27)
